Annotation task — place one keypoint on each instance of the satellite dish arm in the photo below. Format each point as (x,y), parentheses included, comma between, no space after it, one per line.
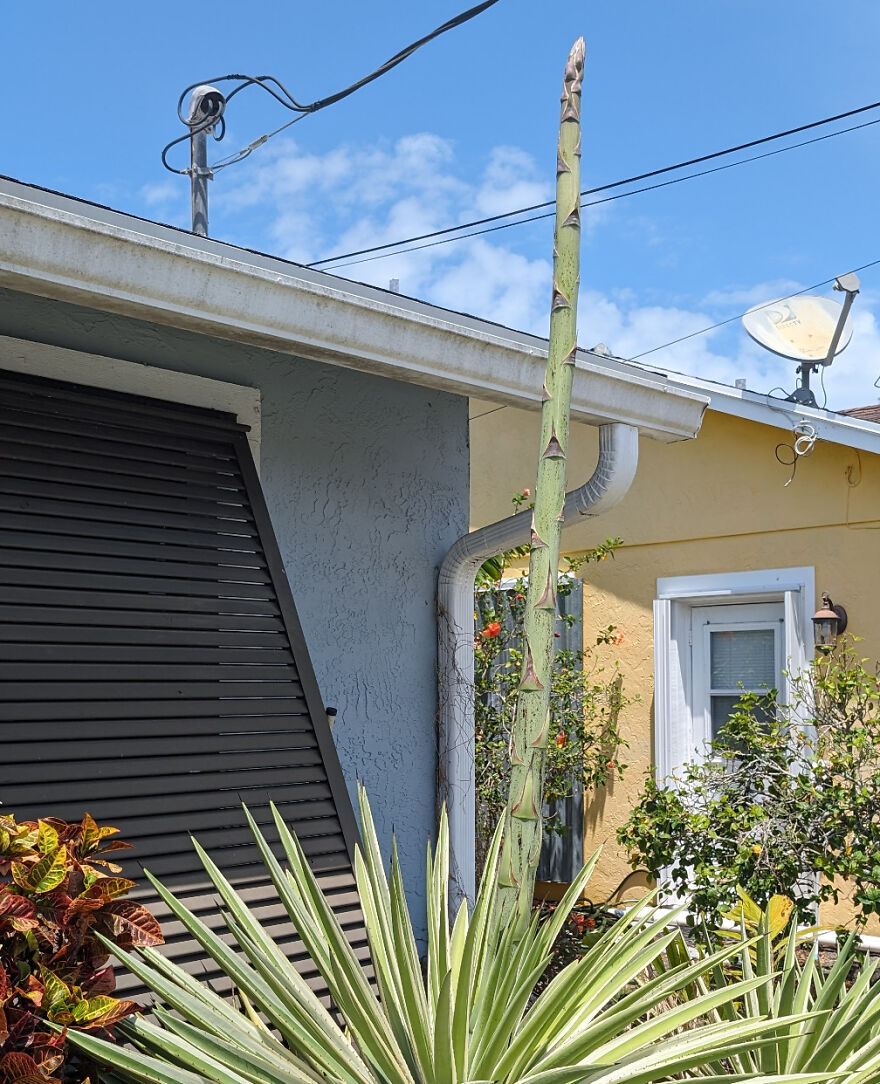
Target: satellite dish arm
(850,285)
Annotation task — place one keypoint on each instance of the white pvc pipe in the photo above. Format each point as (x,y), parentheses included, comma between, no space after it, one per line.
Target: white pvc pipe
(615,470)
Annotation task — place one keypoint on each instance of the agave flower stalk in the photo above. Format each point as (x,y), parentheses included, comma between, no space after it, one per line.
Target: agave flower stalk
(528,744)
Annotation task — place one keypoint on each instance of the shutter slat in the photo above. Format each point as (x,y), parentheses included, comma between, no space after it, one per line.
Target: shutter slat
(124,498)
(170,521)
(131,482)
(136,568)
(124,749)
(74,710)
(116,809)
(199,821)
(87,637)
(102,548)
(139,653)
(161,770)
(66,789)
(21,444)
(40,596)
(48,732)
(74,580)
(232,679)
(212,624)
(19,692)
(103,533)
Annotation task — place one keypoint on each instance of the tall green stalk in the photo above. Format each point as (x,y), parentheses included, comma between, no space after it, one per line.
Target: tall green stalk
(528,745)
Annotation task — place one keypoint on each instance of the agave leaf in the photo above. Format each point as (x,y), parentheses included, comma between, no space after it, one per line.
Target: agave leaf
(135,1065)
(407,954)
(392,945)
(496,1036)
(195,1001)
(282,1012)
(684,1052)
(249,1063)
(324,1044)
(864,1064)
(656,1027)
(438,914)
(324,939)
(824,1002)
(377,918)
(199,1055)
(444,1057)
(264,949)
(622,1014)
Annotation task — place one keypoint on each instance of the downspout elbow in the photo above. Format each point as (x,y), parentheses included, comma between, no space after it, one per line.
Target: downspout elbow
(610,481)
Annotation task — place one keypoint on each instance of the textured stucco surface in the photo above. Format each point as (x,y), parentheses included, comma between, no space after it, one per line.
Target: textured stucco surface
(713,505)
(366,480)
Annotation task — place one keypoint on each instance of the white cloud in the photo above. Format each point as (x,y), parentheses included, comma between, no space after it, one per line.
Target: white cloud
(352,197)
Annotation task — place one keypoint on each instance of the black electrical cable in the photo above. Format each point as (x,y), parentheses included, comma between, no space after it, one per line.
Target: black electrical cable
(283,96)
(739,316)
(592,203)
(618,184)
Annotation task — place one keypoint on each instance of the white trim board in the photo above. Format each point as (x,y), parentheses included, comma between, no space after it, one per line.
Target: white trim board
(728,585)
(111,374)
(674,739)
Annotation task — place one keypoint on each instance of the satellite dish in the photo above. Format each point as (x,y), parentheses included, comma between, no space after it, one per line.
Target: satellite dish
(801,328)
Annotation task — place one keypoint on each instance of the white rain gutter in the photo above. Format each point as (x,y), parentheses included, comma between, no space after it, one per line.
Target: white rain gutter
(610,481)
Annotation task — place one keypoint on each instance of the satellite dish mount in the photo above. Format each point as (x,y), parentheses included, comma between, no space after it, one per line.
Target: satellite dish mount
(849,284)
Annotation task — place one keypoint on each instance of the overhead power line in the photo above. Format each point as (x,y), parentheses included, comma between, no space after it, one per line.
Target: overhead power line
(739,316)
(435,235)
(282,95)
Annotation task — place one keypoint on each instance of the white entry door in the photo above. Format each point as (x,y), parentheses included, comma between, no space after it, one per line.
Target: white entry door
(735,649)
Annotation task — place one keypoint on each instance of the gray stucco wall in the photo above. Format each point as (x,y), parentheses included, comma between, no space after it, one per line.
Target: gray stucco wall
(367,483)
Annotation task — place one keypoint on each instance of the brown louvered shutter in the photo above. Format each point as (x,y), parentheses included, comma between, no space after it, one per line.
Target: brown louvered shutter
(153,670)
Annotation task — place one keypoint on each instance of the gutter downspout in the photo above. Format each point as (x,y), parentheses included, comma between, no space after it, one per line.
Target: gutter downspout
(610,481)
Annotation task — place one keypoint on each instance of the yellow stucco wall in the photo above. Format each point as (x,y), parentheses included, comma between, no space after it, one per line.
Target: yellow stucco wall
(711,505)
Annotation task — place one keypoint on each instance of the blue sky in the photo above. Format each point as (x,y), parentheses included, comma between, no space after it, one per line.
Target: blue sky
(467,127)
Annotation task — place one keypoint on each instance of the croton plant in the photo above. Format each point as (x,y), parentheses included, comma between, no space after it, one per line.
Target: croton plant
(58,891)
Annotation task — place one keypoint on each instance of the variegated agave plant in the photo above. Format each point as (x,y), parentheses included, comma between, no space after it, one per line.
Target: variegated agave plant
(471,1016)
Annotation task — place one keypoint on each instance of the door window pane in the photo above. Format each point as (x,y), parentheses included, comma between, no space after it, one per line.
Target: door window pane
(746,656)
(722,709)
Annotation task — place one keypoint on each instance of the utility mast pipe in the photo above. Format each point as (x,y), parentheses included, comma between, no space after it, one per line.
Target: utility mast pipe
(199,175)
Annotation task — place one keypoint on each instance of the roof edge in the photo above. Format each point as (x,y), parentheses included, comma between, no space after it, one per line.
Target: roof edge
(830,425)
(64,249)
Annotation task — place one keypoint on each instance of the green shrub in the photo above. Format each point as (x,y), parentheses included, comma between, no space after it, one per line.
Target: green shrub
(787,799)
(59,892)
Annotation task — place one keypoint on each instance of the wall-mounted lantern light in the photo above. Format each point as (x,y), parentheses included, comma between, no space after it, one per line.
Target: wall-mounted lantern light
(828,624)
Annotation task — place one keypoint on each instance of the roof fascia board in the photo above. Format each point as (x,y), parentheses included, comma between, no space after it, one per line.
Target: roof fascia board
(119,264)
(781,414)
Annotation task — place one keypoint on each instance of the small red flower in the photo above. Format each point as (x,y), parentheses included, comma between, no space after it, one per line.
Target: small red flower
(557,634)
(561,739)
(610,765)
(617,638)
(590,923)
(492,630)
(519,596)
(527,492)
